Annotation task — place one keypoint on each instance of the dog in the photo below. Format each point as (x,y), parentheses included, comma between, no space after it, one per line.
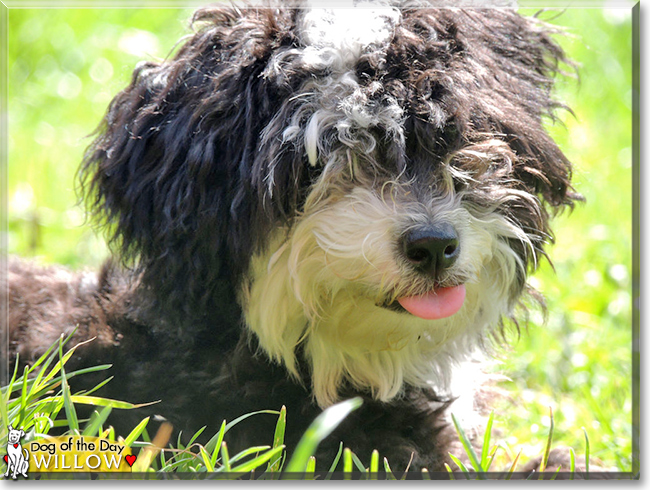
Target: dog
(307,205)
(17,457)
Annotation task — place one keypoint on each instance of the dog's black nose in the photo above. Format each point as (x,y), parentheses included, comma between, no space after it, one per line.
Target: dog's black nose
(433,249)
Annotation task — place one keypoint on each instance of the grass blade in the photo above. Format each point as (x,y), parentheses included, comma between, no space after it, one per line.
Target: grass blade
(196,435)
(225,458)
(347,463)
(215,440)
(96,420)
(70,412)
(357,462)
(468,448)
(335,463)
(135,433)
(547,449)
(256,462)
(389,472)
(486,442)
(493,453)
(218,439)
(248,452)
(556,472)
(572,463)
(278,439)
(311,469)
(229,425)
(586,454)
(319,429)
(148,453)
(460,464)
(107,402)
(206,459)
(513,466)
(374,462)
(451,473)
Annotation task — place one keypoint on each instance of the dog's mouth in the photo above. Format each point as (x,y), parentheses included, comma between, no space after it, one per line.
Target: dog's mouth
(441,302)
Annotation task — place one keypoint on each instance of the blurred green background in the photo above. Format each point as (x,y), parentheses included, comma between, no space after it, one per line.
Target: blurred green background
(66,64)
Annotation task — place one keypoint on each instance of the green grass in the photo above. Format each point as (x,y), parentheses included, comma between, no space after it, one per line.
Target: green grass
(579,362)
(65,65)
(41,403)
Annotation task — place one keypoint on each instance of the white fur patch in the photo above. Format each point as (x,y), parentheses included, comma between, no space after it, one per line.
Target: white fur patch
(335,102)
(347,32)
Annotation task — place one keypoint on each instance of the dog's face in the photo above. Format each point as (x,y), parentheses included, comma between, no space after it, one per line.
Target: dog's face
(375,182)
(14,435)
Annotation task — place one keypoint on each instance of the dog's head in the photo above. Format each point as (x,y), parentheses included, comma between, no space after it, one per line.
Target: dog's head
(15,435)
(377,182)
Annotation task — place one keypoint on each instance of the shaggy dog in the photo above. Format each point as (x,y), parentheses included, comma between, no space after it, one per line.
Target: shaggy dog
(308,205)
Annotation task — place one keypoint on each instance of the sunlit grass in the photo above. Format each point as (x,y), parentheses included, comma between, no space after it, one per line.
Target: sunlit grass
(40,402)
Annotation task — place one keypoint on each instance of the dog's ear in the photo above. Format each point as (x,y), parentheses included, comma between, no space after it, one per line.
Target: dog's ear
(22,433)
(527,60)
(489,73)
(169,173)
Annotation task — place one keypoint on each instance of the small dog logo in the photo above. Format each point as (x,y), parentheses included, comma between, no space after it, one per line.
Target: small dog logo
(17,458)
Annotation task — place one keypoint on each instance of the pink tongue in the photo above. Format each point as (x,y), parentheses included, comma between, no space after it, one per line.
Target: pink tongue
(437,304)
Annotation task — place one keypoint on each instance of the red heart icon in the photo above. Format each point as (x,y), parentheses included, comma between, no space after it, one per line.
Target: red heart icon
(130,458)
(16,445)
(6,458)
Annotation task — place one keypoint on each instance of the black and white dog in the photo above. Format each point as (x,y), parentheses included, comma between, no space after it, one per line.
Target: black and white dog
(308,205)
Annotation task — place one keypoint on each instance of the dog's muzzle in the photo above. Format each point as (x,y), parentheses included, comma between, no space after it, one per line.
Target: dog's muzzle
(432,251)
